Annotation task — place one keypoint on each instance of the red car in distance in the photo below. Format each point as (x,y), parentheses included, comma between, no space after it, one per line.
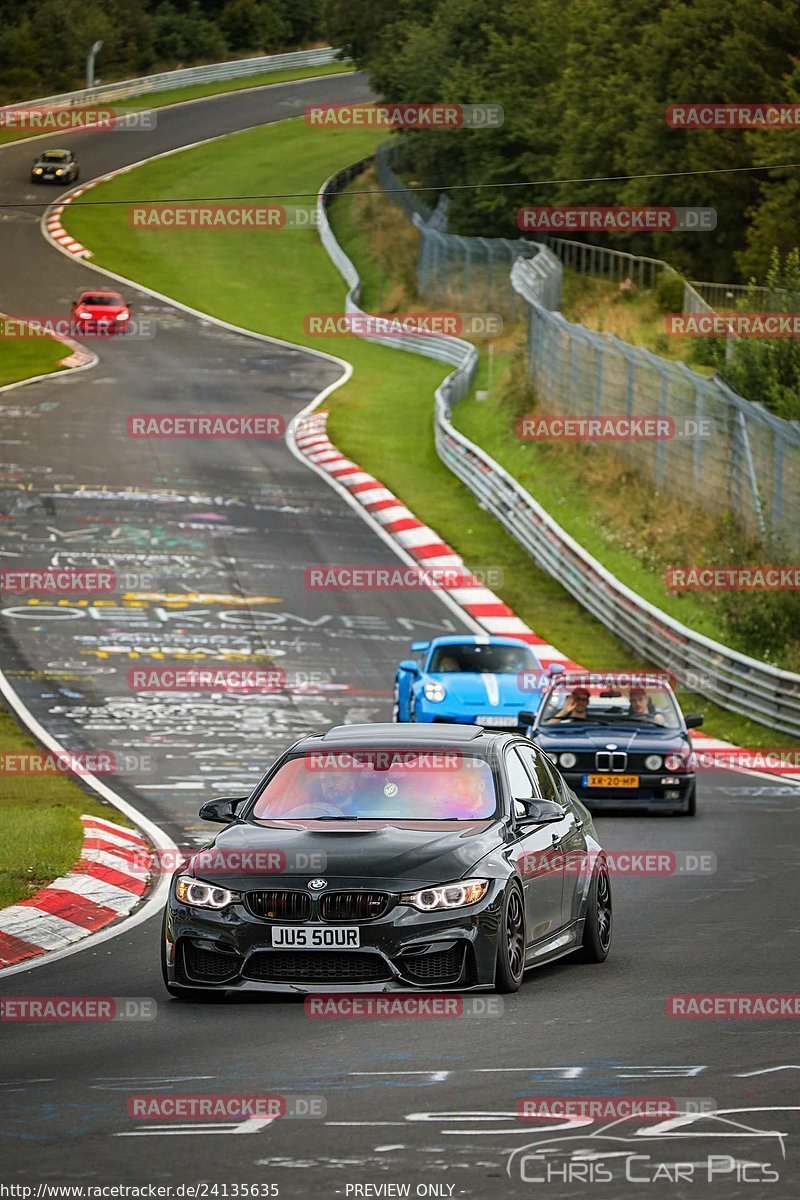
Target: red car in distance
(100,312)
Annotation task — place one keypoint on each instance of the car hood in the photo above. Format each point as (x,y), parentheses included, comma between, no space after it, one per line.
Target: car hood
(387,855)
(485,692)
(593,737)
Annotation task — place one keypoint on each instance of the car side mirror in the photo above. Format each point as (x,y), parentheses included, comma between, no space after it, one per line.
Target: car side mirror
(420,646)
(526,718)
(541,812)
(222,811)
(555,669)
(409,665)
(693,720)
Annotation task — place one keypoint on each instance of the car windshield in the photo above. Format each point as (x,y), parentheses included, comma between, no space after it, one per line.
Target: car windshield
(485,660)
(569,704)
(101,301)
(54,156)
(397,784)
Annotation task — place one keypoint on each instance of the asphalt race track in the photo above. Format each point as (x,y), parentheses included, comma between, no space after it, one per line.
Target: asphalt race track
(427,1103)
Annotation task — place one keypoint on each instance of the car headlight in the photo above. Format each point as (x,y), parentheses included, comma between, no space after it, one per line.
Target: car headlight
(203,895)
(435,692)
(59,171)
(653,762)
(567,760)
(38,170)
(123,316)
(675,762)
(85,316)
(447,895)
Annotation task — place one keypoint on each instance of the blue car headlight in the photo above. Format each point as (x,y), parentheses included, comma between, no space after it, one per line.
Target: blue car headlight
(433,691)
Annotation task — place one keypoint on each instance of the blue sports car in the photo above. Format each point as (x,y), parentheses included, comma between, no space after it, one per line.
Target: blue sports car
(469,681)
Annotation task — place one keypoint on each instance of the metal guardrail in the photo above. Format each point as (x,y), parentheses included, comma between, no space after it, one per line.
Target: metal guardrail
(611,264)
(166,80)
(735,681)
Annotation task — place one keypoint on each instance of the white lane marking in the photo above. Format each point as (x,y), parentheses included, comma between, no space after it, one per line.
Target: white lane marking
(435,1076)
(252,1125)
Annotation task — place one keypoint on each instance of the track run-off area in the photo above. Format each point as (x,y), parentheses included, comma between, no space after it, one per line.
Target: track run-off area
(216,536)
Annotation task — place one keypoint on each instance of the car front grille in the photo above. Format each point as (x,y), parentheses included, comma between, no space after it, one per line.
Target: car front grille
(279,906)
(606,760)
(208,966)
(353,906)
(297,966)
(441,966)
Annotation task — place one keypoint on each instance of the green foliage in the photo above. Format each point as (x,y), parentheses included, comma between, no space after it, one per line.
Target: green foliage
(768,369)
(43,46)
(669,292)
(585,85)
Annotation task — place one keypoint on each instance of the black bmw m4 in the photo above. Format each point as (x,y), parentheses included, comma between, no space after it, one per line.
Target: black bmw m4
(390,858)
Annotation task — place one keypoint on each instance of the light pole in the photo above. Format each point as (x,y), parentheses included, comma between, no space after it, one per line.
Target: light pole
(90,57)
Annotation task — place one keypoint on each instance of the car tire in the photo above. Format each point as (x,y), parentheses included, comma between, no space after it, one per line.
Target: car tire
(691,803)
(511,942)
(76,177)
(598,926)
(412,707)
(396,702)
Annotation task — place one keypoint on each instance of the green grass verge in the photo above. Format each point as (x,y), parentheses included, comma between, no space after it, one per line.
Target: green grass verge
(20,358)
(199,91)
(268,281)
(40,814)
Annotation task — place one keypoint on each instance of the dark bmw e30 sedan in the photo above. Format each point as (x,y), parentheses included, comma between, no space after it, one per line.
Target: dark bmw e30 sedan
(618,741)
(390,858)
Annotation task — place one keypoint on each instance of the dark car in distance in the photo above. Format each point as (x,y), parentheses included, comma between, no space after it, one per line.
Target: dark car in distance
(55,166)
(620,741)
(390,858)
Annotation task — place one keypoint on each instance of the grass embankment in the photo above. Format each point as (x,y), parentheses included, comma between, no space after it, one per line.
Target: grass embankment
(632,314)
(21,358)
(41,815)
(271,280)
(195,91)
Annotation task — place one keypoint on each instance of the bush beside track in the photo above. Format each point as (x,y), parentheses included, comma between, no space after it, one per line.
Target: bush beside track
(269,281)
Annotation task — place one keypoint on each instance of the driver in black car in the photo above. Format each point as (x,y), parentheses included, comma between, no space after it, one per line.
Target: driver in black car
(575,707)
(642,706)
(337,790)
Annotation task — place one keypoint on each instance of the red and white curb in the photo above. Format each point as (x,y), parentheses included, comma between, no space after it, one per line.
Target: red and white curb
(425,546)
(59,234)
(106,883)
(419,541)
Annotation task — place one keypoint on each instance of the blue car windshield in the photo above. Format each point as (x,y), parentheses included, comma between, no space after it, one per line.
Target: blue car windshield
(404,785)
(482,659)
